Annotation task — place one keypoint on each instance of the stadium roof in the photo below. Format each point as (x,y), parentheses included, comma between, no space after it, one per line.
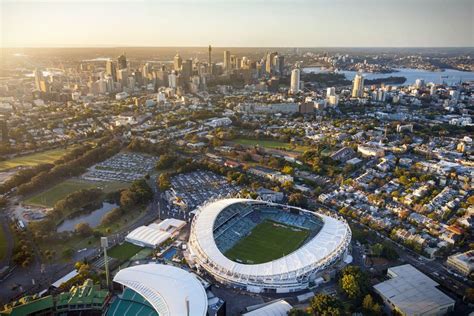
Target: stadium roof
(154,234)
(332,236)
(412,292)
(275,308)
(168,289)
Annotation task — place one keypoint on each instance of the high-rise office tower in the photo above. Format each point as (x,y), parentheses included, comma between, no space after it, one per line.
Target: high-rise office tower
(177,62)
(146,71)
(295,81)
(269,62)
(358,86)
(172,80)
(122,61)
(227,61)
(111,70)
(210,60)
(281,65)
(187,69)
(233,62)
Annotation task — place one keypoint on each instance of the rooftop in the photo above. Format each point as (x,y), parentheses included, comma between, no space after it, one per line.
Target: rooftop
(411,291)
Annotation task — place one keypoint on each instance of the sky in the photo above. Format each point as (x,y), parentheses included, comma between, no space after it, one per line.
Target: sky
(237,23)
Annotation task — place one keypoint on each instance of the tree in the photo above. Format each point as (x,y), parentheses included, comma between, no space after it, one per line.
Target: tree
(326,305)
(297,312)
(164,182)
(469,295)
(83,229)
(350,286)
(297,199)
(287,169)
(166,161)
(353,282)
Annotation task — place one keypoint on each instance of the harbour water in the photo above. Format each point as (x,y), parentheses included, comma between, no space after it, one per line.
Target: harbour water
(448,76)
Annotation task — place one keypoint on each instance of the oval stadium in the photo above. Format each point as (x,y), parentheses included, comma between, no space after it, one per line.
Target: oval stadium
(261,246)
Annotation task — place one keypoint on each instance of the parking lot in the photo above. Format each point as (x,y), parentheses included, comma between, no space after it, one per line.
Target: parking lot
(124,167)
(190,190)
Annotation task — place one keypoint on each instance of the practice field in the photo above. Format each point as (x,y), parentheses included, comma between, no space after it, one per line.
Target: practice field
(49,197)
(272,144)
(268,241)
(48,156)
(124,251)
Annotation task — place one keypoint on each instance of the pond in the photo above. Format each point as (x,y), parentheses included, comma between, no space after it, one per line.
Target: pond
(93,218)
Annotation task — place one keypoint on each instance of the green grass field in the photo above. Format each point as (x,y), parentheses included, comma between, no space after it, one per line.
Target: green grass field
(124,251)
(267,241)
(271,144)
(49,197)
(48,156)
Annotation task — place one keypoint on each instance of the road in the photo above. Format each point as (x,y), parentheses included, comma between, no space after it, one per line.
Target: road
(4,222)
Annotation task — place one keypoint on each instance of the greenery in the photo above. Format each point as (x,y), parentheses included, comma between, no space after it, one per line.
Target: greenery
(70,168)
(272,144)
(354,283)
(298,199)
(139,193)
(49,197)
(35,159)
(83,230)
(370,307)
(267,241)
(124,251)
(326,305)
(385,250)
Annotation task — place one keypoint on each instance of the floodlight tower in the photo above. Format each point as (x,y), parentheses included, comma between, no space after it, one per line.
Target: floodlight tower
(104,242)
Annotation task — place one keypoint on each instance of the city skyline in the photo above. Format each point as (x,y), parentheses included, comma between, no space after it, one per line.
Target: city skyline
(139,23)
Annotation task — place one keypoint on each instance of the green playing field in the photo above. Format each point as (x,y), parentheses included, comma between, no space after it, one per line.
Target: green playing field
(268,241)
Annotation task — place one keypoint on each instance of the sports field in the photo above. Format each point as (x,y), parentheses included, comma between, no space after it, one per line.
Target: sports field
(271,144)
(267,241)
(49,197)
(124,251)
(48,156)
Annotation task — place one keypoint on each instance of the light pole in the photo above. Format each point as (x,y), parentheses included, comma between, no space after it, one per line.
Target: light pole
(105,243)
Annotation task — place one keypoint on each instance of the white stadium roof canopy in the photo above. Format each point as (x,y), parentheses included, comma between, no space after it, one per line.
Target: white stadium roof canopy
(168,289)
(333,235)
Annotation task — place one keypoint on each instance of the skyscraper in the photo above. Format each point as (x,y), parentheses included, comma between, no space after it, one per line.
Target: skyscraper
(269,64)
(226,61)
(187,69)
(358,86)
(122,61)
(295,81)
(210,60)
(177,61)
(281,65)
(111,70)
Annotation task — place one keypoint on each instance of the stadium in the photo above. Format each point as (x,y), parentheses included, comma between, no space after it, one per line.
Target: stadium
(262,246)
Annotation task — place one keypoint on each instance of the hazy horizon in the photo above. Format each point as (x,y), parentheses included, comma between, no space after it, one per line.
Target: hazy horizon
(244,23)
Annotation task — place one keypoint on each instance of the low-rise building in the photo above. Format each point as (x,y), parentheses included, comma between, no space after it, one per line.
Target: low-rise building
(410,292)
(462,262)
